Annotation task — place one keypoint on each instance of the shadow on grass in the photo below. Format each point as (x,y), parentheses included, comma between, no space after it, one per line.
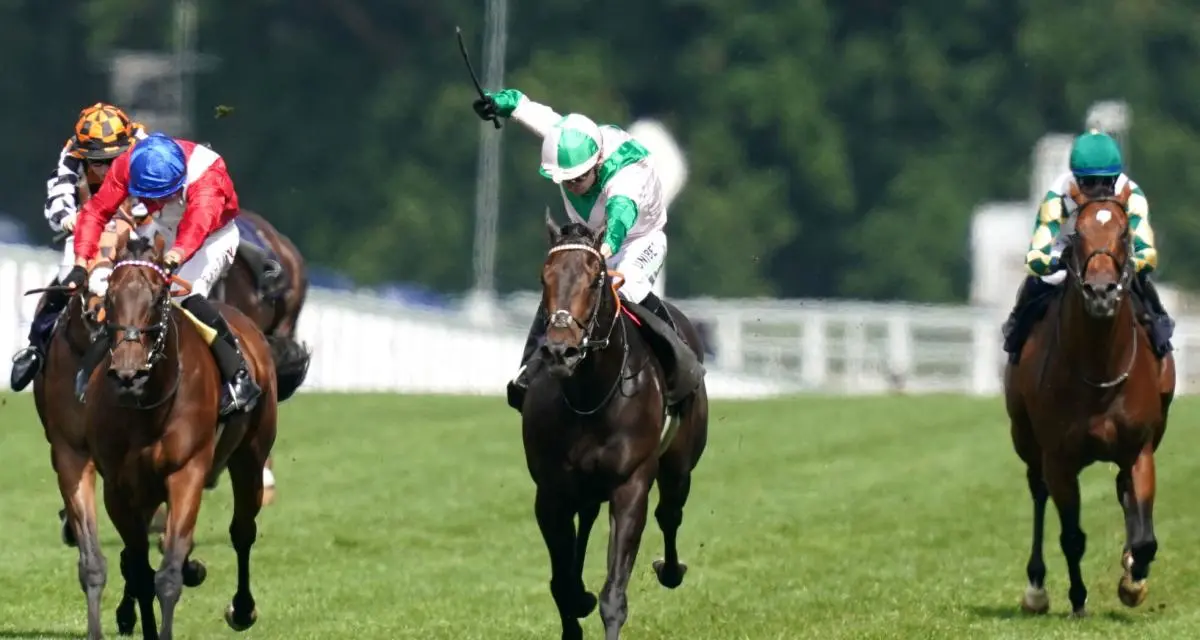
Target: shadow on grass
(1014,612)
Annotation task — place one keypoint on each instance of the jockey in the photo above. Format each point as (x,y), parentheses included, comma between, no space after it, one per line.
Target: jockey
(607,182)
(189,188)
(102,133)
(1096,168)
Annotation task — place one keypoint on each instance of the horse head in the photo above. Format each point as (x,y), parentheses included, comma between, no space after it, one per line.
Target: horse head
(574,294)
(1100,251)
(137,309)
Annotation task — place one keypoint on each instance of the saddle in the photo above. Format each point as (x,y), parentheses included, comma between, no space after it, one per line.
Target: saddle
(682,366)
(264,263)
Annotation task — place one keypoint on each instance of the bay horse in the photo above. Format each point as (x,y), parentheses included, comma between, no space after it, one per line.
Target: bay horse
(1089,388)
(152,428)
(276,315)
(598,429)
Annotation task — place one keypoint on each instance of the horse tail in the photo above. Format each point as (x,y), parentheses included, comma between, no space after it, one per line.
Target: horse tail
(291,364)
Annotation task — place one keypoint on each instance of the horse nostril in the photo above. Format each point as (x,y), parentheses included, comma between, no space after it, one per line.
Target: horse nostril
(570,352)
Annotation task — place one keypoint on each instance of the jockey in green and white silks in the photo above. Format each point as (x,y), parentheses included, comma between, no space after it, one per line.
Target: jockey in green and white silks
(1097,169)
(607,182)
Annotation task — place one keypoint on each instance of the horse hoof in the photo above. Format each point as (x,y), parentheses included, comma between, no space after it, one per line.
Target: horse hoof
(126,619)
(231,619)
(669,577)
(1081,612)
(194,573)
(1132,592)
(1035,600)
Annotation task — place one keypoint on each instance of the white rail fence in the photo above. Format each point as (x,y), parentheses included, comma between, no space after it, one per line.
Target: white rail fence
(756,347)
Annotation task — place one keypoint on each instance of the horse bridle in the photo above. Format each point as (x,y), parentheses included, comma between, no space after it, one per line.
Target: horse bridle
(132,333)
(1126,264)
(563,318)
(1127,271)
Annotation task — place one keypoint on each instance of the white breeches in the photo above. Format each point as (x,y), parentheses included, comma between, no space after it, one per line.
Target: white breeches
(202,271)
(640,261)
(210,263)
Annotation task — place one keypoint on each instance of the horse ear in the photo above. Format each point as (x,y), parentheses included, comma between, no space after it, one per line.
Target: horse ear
(122,240)
(1125,194)
(160,245)
(1077,195)
(599,241)
(552,230)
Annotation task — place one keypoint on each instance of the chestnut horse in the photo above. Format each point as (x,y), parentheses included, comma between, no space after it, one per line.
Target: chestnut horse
(598,429)
(1089,388)
(152,429)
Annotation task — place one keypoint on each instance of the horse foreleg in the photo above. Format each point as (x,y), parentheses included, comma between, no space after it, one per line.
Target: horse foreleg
(556,520)
(674,485)
(1135,489)
(1036,600)
(185,488)
(1063,482)
(627,517)
(246,476)
(77,483)
(135,563)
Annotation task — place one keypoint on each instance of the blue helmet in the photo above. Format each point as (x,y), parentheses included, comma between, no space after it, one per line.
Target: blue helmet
(157,167)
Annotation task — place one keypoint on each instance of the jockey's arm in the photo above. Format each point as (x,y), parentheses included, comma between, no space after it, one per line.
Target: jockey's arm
(535,116)
(100,209)
(1045,230)
(621,208)
(61,189)
(1145,255)
(206,201)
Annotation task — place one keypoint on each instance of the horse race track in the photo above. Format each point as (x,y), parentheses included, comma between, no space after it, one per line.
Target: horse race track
(409,517)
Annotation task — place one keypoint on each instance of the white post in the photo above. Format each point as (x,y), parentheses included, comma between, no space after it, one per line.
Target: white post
(481,301)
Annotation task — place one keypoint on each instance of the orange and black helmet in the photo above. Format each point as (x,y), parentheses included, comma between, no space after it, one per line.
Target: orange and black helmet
(103,132)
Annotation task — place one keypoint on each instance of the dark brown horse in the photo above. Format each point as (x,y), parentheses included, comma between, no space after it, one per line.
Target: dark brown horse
(60,411)
(277,314)
(1089,388)
(152,428)
(598,429)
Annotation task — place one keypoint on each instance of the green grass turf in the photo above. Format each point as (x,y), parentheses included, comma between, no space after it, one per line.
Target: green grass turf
(411,517)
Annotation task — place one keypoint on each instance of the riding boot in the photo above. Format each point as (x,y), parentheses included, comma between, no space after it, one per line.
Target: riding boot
(1016,328)
(239,391)
(267,272)
(1162,327)
(28,361)
(91,359)
(531,361)
(684,370)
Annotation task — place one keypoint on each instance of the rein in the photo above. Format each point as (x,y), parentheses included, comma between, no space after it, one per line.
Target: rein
(563,318)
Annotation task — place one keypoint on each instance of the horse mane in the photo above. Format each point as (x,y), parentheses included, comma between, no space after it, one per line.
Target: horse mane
(139,249)
(577,233)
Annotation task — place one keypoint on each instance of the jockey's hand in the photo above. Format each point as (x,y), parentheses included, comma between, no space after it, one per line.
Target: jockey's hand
(68,223)
(171,261)
(606,251)
(76,278)
(485,107)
